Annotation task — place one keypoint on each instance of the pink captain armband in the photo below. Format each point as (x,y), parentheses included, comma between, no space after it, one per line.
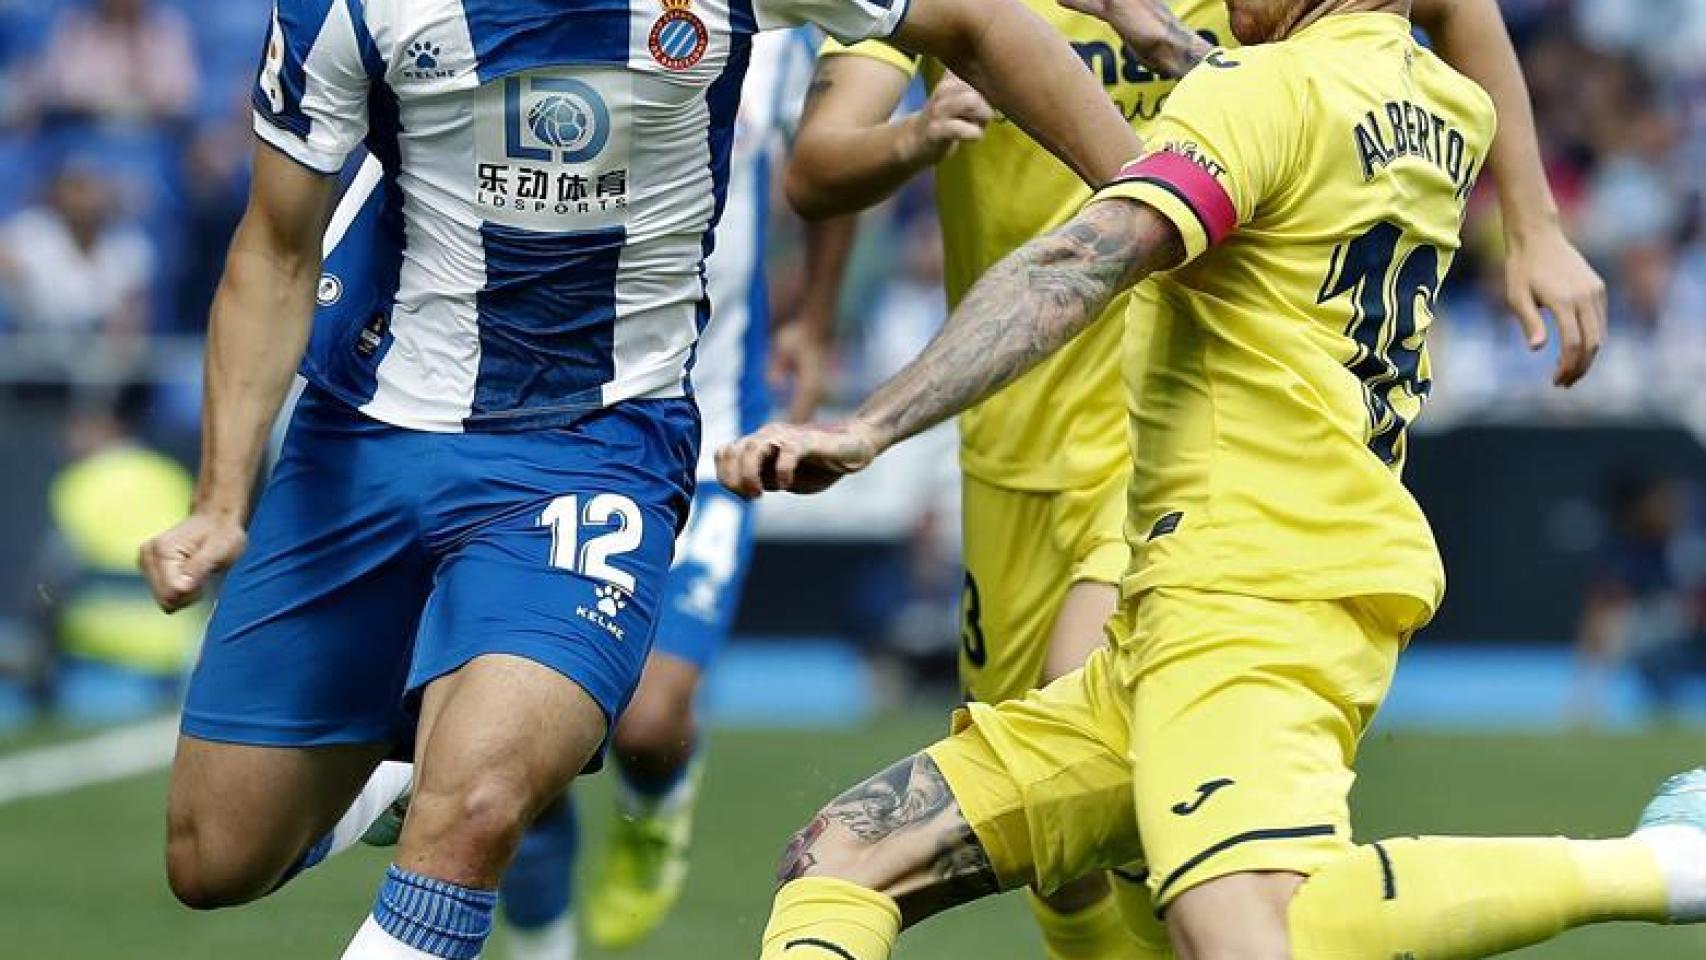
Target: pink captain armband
(1191,184)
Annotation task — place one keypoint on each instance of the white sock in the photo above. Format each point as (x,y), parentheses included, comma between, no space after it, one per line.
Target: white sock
(373,943)
(1681,853)
(554,941)
(390,780)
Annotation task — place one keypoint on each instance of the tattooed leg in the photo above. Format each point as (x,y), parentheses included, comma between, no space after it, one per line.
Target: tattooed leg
(900,833)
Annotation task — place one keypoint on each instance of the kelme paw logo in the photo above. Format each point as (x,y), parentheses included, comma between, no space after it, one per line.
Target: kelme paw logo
(425,54)
(611,600)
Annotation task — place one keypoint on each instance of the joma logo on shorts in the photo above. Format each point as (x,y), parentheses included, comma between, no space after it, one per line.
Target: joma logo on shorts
(1205,791)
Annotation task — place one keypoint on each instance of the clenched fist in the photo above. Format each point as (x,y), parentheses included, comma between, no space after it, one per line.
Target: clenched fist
(795,458)
(179,563)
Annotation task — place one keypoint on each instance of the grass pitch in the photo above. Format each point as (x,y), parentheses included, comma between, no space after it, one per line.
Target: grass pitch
(80,874)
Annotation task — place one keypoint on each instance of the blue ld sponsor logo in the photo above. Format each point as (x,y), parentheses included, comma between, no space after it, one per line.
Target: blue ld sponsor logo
(554,119)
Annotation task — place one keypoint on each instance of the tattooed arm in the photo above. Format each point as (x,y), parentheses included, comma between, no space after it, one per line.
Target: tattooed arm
(1161,39)
(849,154)
(1026,308)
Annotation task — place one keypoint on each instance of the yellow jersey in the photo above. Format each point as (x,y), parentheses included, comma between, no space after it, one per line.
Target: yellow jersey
(1062,425)
(1319,184)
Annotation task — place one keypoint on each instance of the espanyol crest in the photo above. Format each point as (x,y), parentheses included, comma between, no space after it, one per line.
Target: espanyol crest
(679,37)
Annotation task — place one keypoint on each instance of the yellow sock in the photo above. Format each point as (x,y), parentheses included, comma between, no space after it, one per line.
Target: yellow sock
(817,918)
(1137,909)
(1094,933)
(1440,898)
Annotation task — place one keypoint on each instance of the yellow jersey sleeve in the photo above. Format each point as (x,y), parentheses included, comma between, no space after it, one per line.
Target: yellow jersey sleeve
(1227,140)
(875,50)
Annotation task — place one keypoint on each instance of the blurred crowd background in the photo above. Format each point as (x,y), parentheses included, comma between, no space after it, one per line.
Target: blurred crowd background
(1571,521)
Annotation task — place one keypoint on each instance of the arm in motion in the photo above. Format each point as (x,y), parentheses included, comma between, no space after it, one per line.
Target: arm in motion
(1543,269)
(849,155)
(256,336)
(1029,73)
(1027,307)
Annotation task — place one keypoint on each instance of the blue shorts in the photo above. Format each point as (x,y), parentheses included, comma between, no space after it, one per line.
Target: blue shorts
(382,558)
(711,560)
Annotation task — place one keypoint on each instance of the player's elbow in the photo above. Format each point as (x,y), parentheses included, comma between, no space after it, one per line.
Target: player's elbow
(809,192)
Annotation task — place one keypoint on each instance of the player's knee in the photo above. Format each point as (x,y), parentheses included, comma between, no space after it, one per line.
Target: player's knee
(488,809)
(207,868)
(1241,917)
(657,729)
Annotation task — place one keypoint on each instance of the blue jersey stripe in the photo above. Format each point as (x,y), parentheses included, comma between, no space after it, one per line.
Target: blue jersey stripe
(514,35)
(547,320)
(370,55)
(742,21)
(723,101)
(299,27)
(352,334)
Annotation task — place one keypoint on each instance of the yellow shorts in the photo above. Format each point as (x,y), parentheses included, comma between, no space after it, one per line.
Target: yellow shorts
(1023,551)
(1215,737)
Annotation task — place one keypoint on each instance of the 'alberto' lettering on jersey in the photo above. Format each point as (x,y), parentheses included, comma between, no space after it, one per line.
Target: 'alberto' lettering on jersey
(552,171)
(1408,129)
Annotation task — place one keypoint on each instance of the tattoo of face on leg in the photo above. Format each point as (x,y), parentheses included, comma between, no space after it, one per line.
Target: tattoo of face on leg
(952,866)
(798,859)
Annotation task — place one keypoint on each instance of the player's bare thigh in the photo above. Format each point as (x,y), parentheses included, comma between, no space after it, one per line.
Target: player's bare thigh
(499,739)
(238,817)
(1237,917)
(900,833)
(1080,628)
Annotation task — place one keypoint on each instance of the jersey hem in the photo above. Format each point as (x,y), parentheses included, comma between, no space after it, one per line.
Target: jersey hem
(1136,584)
(520,420)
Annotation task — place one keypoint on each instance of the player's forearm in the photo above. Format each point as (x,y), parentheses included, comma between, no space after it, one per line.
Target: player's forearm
(848,155)
(259,328)
(1471,36)
(1024,309)
(837,170)
(1161,40)
(1028,72)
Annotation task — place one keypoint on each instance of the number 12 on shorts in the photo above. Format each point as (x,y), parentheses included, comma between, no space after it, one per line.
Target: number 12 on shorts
(571,550)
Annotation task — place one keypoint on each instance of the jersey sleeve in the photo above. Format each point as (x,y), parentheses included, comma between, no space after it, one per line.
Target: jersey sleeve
(1225,142)
(849,21)
(310,99)
(878,50)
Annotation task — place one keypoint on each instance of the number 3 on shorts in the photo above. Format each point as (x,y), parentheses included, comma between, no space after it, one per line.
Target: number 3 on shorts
(591,558)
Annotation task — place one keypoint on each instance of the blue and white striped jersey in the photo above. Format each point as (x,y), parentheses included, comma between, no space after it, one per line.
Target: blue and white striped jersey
(728,377)
(551,174)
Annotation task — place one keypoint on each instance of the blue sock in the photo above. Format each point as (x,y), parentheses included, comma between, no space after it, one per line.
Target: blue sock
(433,916)
(538,888)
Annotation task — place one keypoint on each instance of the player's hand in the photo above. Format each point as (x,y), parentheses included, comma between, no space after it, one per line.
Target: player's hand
(795,458)
(1160,38)
(954,114)
(179,563)
(1544,271)
(799,362)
